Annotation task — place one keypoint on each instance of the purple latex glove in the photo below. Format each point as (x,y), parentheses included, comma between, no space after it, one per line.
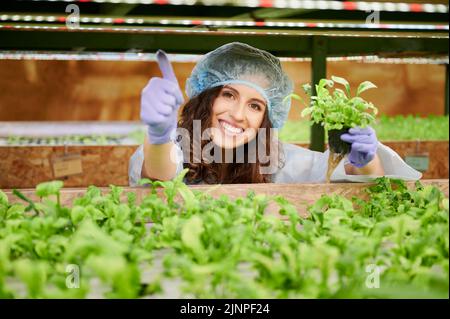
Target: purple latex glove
(160,100)
(364,145)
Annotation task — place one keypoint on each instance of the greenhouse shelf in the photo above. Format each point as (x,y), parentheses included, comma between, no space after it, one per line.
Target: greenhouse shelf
(285,28)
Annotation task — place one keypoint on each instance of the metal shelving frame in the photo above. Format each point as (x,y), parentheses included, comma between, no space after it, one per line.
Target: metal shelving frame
(414,29)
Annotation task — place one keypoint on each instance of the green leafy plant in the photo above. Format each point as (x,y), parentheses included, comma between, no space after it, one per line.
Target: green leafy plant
(94,139)
(223,248)
(338,109)
(337,112)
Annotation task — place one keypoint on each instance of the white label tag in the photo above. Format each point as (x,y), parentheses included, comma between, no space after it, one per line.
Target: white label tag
(67,165)
(418,162)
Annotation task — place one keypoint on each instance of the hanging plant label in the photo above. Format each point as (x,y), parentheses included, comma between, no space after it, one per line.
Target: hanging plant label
(420,162)
(67,165)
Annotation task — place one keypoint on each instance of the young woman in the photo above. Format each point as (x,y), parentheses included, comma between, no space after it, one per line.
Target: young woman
(226,132)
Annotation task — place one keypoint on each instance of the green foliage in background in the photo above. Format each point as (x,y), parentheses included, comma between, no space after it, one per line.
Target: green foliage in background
(66,139)
(388,128)
(395,244)
(410,128)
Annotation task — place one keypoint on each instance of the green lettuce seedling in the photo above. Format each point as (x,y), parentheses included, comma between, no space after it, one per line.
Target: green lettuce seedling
(199,246)
(337,112)
(338,109)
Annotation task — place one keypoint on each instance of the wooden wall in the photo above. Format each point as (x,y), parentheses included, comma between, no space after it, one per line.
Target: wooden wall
(102,90)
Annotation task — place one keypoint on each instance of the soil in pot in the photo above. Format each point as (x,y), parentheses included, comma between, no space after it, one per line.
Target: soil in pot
(338,149)
(335,143)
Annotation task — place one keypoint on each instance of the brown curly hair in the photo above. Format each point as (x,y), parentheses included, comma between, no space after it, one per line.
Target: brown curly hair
(200,108)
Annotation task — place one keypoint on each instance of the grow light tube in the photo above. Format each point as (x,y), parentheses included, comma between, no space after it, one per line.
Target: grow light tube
(292,4)
(196,31)
(221,23)
(192,58)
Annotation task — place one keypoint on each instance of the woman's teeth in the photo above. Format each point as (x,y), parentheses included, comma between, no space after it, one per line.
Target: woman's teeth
(230,128)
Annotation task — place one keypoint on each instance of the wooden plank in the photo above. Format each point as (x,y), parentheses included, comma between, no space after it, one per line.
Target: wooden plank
(301,195)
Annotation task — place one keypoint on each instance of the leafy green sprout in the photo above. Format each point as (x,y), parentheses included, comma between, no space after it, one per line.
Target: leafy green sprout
(338,109)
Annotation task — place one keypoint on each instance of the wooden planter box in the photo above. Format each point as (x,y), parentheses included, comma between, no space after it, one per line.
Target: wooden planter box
(77,165)
(27,166)
(301,195)
(437,152)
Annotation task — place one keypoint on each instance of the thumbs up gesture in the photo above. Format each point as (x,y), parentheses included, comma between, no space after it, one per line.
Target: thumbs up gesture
(160,101)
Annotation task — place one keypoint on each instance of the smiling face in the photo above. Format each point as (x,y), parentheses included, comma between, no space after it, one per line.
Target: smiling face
(237,113)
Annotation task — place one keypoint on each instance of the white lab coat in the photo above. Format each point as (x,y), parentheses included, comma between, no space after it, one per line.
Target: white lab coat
(302,165)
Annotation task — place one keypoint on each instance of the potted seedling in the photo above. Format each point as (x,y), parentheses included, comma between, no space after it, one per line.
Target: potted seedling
(337,112)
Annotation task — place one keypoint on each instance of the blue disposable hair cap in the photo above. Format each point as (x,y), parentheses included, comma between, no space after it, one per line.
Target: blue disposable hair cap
(239,63)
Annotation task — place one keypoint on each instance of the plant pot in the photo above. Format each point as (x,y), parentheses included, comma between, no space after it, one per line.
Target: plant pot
(335,143)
